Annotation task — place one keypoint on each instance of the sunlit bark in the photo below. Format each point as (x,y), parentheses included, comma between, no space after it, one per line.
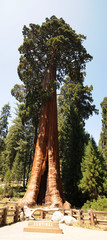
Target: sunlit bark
(45,182)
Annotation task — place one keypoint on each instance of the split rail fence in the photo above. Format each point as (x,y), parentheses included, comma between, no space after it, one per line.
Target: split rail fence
(9,214)
(11,210)
(92,217)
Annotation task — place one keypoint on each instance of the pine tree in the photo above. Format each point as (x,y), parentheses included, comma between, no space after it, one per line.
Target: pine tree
(74,107)
(103,135)
(5,114)
(94,176)
(18,151)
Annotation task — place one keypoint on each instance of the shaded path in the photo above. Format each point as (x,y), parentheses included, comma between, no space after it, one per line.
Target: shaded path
(15,232)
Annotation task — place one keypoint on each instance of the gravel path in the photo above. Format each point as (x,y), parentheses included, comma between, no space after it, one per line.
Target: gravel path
(15,232)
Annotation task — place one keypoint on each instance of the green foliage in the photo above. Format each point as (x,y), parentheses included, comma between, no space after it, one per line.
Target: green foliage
(5,114)
(80,96)
(9,192)
(19,93)
(1,190)
(27,110)
(17,168)
(74,107)
(7,177)
(54,42)
(99,205)
(103,135)
(71,139)
(52,45)
(17,155)
(94,175)
(14,191)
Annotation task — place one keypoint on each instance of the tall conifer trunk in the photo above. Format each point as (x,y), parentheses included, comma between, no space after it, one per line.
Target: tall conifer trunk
(45,183)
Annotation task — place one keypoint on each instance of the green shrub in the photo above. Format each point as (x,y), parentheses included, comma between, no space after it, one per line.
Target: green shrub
(99,205)
(9,192)
(16,192)
(1,191)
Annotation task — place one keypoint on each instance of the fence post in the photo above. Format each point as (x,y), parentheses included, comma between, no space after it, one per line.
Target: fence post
(71,212)
(16,216)
(80,215)
(91,217)
(42,214)
(4,217)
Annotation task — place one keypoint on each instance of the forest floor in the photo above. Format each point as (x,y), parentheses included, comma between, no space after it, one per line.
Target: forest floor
(15,232)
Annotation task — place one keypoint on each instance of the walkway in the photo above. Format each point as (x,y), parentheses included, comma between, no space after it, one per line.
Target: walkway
(15,232)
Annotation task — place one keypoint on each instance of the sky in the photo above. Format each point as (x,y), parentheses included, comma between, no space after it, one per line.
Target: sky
(87,17)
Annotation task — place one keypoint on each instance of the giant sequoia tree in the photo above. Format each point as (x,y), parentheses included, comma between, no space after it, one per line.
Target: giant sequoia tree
(48,54)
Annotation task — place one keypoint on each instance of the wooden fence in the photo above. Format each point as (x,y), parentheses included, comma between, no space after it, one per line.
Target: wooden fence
(98,217)
(94,218)
(9,215)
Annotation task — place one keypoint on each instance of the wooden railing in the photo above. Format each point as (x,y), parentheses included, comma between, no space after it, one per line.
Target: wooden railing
(7,203)
(45,213)
(92,217)
(98,217)
(9,215)
(13,212)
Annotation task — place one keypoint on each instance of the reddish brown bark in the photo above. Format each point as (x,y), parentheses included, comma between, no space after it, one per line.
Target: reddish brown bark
(45,182)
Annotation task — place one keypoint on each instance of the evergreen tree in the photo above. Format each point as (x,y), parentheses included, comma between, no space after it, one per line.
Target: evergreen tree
(17,168)
(48,54)
(5,114)
(18,151)
(71,146)
(75,106)
(24,152)
(27,113)
(103,135)
(94,176)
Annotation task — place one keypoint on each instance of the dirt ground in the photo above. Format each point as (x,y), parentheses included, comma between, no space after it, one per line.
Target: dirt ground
(15,232)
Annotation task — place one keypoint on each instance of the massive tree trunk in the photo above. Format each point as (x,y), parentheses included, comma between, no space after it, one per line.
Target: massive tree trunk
(45,183)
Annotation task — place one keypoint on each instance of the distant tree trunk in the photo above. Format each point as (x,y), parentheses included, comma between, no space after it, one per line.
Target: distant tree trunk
(45,183)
